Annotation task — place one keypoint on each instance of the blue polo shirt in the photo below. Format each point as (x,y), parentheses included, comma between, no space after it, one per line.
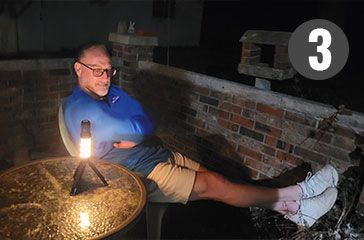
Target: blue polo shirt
(115,118)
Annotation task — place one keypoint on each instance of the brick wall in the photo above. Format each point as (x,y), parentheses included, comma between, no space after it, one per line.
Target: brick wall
(31,91)
(205,118)
(129,56)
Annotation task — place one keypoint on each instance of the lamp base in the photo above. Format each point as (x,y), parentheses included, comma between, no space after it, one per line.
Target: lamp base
(79,172)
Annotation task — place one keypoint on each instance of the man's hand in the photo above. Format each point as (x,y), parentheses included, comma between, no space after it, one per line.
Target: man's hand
(124,144)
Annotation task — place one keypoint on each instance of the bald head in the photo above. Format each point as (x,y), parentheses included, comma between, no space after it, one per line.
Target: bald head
(91,46)
(91,58)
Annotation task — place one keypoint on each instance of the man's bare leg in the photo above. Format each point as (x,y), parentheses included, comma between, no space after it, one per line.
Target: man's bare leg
(210,185)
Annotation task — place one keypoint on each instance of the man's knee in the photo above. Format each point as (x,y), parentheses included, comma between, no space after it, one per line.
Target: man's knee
(208,185)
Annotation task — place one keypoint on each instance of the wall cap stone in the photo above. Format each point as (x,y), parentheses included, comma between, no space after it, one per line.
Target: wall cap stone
(266,72)
(133,39)
(36,64)
(266,37)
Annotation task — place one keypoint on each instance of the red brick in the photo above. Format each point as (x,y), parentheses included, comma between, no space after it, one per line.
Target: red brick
(129,57)
(252,134)
(114,53)
(272,141)
(268,150)
(128,70)
(228,125)
(272,161)
(248,113)
(220,95)
(231,107)
(288,158)
(192,97)
(251,52)
(284,146)
(59,72)
(280,49)
(202,133)
(47,95)
(270,110)
(332,151)
(268,129)
(176,144)
(343,142)
(196,122)
(201,90)
(249,152)
(131,64)
(261,167)
(64,94)
(345,132)
(250,60)
(242,121)
(10,75)
(219,113)
(209,100)
(9,92)
(118,47)
(243,102)
(250,46)
(253,173)
(281,57)
(322,136)
(128,77)
(310,155)
(145,57)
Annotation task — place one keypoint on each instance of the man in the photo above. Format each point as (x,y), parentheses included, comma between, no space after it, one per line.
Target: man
(122,133)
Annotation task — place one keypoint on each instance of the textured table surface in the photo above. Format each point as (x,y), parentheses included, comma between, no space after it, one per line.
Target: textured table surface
(35,201)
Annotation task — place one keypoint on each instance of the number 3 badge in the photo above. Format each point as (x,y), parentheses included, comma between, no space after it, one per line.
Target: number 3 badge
(318,49)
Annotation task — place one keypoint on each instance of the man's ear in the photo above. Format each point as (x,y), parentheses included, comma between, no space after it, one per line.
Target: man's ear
(77,68)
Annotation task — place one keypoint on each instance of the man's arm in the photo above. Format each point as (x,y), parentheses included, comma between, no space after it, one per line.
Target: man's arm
(124,144)
(138,122)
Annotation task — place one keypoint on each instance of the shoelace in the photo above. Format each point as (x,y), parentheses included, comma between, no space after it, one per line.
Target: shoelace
(309,175)
(301,216)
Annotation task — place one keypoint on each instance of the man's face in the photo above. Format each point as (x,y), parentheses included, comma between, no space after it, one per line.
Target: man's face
(95,58)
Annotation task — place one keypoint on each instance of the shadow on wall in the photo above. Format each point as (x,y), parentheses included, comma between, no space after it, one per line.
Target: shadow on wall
(176,110)
(218,155)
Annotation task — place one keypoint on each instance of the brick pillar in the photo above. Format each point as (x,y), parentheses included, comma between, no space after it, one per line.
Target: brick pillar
(131,49)
(281,59)
(250,54)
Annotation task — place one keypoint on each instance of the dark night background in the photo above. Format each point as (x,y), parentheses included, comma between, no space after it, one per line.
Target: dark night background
(218,52)
(224,22)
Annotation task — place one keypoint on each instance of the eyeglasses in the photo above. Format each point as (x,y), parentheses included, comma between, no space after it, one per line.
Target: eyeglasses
(97,72)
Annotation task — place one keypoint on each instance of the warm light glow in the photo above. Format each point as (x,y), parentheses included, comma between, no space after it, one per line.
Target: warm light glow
(85,221)
(85,148)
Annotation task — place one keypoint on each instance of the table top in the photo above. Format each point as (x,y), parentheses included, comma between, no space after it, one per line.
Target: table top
(35,201)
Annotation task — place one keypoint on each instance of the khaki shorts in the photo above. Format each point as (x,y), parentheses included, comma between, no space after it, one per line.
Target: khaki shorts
(172,181)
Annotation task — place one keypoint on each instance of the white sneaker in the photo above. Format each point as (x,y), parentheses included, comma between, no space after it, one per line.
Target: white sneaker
(311,209)
(315,184)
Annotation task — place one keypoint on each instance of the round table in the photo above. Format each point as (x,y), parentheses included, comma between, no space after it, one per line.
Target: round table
(35,201)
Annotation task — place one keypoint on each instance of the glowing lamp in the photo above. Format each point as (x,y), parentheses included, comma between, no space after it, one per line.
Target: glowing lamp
(85,154)
(85,139)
